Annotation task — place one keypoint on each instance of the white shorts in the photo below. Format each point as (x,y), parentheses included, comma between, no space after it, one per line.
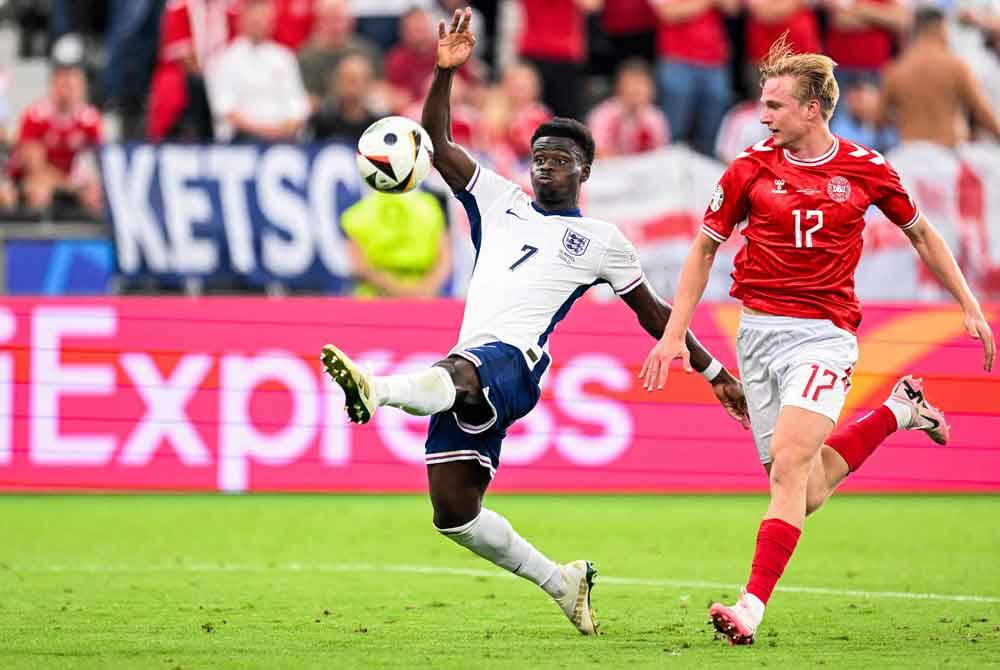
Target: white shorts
(790,361)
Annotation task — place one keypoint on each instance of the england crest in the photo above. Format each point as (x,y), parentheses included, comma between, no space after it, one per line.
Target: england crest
(575,243)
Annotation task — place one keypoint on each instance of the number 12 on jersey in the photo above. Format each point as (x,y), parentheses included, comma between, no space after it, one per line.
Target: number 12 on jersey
(806,240)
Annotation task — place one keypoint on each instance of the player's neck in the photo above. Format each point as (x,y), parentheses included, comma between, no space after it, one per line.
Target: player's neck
(813,145)
(557,206)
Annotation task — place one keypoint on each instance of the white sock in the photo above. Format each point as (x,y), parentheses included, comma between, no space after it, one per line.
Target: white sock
(420,393)
(756,606)
(902,412)
(491,536)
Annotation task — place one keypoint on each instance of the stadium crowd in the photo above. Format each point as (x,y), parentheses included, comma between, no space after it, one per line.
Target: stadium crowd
(641,73)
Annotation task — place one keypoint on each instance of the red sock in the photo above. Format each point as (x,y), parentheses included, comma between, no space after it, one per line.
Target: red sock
(776,541)
(857,441)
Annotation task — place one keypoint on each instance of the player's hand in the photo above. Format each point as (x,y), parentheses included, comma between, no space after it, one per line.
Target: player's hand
(729,391)
(455,44)
(657,366)
(979,329)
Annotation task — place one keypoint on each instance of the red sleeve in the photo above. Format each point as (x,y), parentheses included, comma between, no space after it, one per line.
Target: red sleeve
(729,204)
(95,128)
(32,126)
(893,199)
(175,40)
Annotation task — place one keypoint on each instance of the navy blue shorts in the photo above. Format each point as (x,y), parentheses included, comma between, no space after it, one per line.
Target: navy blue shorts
(511,389)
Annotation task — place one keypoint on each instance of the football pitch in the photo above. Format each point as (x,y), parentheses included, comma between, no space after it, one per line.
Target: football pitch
(270,581)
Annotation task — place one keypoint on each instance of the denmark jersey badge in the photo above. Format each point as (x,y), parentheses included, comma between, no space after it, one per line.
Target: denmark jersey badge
(839,189)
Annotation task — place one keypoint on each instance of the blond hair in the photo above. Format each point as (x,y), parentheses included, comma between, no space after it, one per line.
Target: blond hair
(813,74)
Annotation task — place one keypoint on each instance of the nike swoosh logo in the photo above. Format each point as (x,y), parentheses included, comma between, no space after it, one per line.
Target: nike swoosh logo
(511,211)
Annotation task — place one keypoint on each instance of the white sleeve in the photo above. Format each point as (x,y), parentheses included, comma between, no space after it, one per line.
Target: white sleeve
(220,81)
(298,100)
(620,266)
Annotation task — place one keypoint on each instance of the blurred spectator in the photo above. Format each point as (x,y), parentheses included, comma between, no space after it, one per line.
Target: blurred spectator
(464,117)
(928,90)
(629,122)
(293,22)
(629,30)
(8,193)
(858,120)
(192,34)
(693,68)
(331,40)
(523,90)
(974,35)
(379,20)
(131,43)
(553,40)
(399,244)
(861,34)
(52,163)
(345,113)
(410,64)
(4,105)
(741,128)
(254,86)
(766,21)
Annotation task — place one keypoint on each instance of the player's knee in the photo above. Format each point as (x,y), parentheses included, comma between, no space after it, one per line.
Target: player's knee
(788,468)
(453,509)
(453,514)
(464,377)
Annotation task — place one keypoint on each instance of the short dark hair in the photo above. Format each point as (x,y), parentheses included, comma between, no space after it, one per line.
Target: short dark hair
(926,17)
(561,126)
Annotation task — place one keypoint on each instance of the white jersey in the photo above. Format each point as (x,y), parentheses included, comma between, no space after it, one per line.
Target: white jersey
(532,265)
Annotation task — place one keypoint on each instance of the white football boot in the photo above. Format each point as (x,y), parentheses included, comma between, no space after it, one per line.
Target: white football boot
(923,415)
(578,577)
(358,397)
(737,623)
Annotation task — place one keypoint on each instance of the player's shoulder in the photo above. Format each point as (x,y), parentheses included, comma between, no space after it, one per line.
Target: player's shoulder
(87,115)
(40,111)
(758,154)
(604,233)
(860,159)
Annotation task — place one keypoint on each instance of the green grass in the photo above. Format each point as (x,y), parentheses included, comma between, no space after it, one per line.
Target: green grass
(265,582)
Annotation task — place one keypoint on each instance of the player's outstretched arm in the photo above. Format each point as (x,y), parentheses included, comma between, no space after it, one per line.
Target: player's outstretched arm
(936,255)
(653,314)
(694,278)
(454,48)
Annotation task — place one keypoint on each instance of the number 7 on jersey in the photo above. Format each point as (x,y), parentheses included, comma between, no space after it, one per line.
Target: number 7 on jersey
(530,252)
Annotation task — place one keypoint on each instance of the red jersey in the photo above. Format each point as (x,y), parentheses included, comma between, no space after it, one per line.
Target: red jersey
(63,135)
(804,223)
(552,30)
(622,17)
(293,22)
(803,34)
(700,39)
(868,48)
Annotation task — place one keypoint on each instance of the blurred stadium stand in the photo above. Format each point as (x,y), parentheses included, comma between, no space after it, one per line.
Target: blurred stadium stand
(184,199)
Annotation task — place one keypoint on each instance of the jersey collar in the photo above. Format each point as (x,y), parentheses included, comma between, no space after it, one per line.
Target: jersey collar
(556,212)
(825,157)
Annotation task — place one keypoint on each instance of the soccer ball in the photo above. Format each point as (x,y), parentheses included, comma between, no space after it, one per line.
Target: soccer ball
(394,154)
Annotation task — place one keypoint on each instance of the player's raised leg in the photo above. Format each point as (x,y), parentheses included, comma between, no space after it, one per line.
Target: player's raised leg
(457,489)
(906,408)
(798,437)
(420,393)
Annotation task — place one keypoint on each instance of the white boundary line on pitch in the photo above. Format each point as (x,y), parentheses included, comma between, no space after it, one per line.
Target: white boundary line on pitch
(473,572)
